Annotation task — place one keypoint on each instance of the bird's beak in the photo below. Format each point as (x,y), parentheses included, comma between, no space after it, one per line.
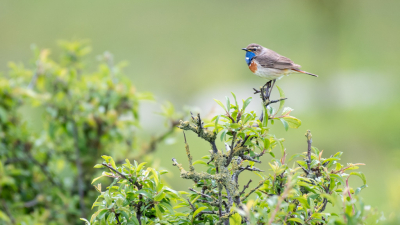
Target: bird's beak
(245,49)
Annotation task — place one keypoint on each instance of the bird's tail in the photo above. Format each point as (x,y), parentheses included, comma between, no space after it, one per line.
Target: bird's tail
(301,71)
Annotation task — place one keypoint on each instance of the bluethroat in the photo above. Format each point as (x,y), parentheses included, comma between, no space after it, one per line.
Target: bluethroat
(268,64)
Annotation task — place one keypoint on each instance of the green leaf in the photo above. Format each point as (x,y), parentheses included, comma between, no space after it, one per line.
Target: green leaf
(303,202)
(160,196)
(292,121)
(329,160)
(95,215)
(234,96)
(134,220)
(138,168)
(129,163)
(295,156)
(265,120)
(113,163)
(198,211)
(168,207)
(83,219)
(267,143)
(298,220)
(337,177)
(97,178)
(234,125)
(220,103)
(358,190)
(98,166)
(246,103)
(361,175)
(285,124)
(5,218)
(338,154)
(155,175)
(144,193)
(338,167)
(282,95)
(199,162)
(106,158)
(235,219)
(102,213)
(158,212)
(223,134)
(216,124)
(279,143)
(228,104)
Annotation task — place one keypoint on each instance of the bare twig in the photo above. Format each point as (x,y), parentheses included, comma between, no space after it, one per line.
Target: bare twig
(252,190)
(245,187)
(139,186)
(204,195)
(116,217)
(246,157)
(191,205)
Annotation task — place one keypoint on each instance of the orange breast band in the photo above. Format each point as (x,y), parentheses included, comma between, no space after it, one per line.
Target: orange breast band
(253,67)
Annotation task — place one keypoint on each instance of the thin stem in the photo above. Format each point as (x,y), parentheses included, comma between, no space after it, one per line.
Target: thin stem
(204,195)
(252,190)
(245,187)
(191,205)
(116,217)
(123,176)
(348,192)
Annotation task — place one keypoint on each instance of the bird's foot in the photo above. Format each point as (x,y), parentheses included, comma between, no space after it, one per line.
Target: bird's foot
(267,102)
(256,91)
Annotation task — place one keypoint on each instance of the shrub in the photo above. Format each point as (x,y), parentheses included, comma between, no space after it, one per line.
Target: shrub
(304,192)
(45,175)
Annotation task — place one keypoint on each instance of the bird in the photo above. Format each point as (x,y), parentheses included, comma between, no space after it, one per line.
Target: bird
(269,65)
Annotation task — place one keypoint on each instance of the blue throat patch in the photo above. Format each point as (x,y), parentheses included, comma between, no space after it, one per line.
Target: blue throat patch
(249,57)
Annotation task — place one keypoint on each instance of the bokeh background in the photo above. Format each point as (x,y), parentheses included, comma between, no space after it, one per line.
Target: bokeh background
(188,52)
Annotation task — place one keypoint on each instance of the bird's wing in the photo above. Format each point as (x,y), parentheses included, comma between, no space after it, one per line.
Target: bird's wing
(271,59)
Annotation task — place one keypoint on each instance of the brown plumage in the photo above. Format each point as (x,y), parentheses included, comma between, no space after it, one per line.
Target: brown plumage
(269,59)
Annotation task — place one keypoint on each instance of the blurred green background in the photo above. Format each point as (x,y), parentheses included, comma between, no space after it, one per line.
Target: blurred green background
(188,52)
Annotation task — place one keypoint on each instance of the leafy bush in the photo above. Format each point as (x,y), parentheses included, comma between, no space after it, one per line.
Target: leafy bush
(45,175)
(304,193)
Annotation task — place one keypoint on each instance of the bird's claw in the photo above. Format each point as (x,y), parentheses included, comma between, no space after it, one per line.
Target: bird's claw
(256,91)
(268,102)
